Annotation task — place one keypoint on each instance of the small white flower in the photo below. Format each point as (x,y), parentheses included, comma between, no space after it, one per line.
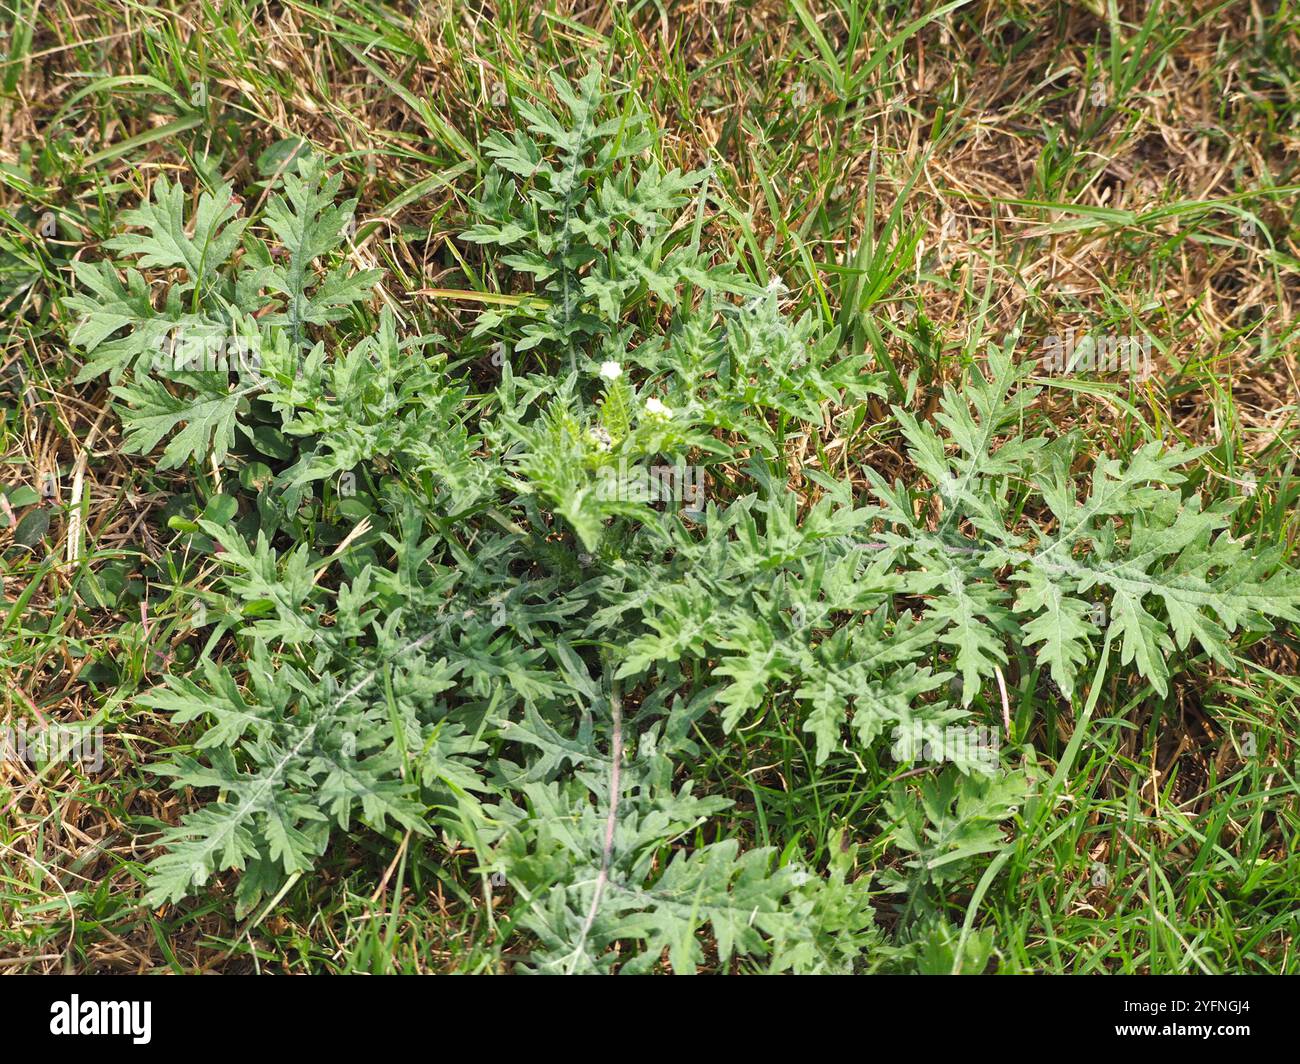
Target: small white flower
(655,408)
(611,371)
(602,437)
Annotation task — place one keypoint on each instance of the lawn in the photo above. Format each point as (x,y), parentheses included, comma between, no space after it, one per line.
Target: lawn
(651,487)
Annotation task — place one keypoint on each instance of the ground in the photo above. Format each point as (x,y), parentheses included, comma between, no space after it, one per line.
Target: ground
(916,173)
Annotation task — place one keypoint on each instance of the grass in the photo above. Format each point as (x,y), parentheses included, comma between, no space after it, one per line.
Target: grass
(923,176)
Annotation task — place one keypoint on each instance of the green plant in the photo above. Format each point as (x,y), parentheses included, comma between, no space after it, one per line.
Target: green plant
(515,648)
(226,292)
